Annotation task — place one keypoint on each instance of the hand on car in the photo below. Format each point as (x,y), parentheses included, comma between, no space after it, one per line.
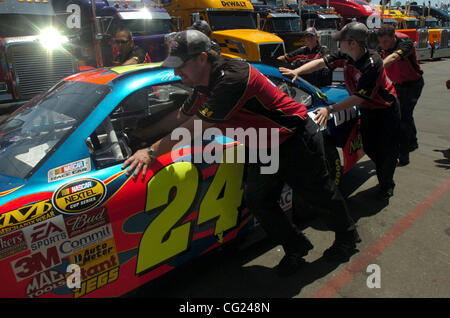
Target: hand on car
(289,73)
(322,114)
(137,162)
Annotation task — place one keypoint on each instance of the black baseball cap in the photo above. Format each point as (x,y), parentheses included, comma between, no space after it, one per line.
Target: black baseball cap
(353,31)
(185,45)
(201,26)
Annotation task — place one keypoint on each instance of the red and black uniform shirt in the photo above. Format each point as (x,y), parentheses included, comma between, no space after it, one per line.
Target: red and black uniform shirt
(239,96)
(137,53)
(407,69)
(365,78)
(305,53)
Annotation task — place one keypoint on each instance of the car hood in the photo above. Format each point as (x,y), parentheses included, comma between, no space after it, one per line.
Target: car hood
(335,93)
(9,184)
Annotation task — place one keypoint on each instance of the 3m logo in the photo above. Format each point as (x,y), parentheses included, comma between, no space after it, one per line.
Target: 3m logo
(25,216)
(35,263)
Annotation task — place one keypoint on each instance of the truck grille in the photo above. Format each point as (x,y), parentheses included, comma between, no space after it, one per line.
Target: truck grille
(37,70)
(423,39)
(327,40)
(444,39)
(270,51)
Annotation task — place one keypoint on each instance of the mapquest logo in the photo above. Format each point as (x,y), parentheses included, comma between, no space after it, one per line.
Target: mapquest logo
(79,196)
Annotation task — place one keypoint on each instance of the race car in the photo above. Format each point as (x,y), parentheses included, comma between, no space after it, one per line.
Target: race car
(73,224)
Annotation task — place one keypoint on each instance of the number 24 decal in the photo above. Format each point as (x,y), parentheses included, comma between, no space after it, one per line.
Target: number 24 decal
(214,206)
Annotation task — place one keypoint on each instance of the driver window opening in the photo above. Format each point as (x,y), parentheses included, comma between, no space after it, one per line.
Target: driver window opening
(133,123)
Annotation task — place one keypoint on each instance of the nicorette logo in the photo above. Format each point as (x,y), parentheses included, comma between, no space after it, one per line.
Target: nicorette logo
(79,196)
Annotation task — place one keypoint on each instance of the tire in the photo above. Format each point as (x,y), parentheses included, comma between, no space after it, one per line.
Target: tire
(333,159)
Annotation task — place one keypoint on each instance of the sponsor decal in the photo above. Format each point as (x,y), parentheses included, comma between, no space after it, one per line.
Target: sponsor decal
(100,280)
(87,239)
(285,200)
(82,223)
(46,234)
(99,251)
(25,216)
(69,170)
(45,282)
(241,4)
(12,244)
(79,196)
(98,266)
(35,263)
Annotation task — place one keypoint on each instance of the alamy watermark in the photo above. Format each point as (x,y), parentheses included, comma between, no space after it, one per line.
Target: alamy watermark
(256,140)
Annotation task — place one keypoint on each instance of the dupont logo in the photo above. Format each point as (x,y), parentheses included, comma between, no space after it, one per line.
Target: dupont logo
(79,196)
(12,244)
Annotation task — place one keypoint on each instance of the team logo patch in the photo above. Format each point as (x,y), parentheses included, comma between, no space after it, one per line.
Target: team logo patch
(79,196)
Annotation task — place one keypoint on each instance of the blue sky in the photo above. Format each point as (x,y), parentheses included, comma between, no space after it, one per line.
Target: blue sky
(433,2)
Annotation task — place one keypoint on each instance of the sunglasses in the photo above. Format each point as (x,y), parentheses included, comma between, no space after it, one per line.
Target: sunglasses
(121,41)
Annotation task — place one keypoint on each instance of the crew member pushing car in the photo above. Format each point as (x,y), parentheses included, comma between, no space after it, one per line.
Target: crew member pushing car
(369,88)
(233,94)
(404,71)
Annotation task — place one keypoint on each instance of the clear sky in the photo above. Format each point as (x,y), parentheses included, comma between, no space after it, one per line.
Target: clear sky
(433,2)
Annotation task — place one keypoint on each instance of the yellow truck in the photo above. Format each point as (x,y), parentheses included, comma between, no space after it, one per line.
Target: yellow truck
(234,26)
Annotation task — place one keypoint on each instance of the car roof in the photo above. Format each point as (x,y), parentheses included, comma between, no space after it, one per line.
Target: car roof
(107,75)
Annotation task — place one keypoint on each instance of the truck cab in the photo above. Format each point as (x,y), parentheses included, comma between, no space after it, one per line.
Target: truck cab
(234,27)
(278,19)
(147,21)
(32,52)
(437,22)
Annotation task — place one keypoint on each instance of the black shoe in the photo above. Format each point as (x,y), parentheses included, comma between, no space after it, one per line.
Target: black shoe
(343,247)
(403,160)
(290,264)
(384,194)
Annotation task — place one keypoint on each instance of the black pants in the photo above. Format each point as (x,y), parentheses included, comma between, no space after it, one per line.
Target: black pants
(408,95)
(303,167)
(380,132)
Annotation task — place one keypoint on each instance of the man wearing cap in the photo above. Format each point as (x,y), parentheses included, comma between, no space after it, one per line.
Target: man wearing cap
(368,87)
(233,94)
(203,26)
(312,51)
(404,71)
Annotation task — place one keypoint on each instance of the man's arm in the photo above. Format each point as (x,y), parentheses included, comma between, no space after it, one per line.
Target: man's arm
(391,59)
(131,61)
(141,160)
(322,113)
(165,125)
(304,69)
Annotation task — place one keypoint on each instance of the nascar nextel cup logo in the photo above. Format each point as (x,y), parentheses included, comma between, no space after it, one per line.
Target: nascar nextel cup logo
(79,196)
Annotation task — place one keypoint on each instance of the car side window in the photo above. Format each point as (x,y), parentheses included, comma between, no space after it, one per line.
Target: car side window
(114,140)
(296,93)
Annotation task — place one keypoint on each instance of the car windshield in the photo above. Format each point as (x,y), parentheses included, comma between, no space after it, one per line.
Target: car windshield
(36,128)
(412,24)
(324,24)
(226,20)
(286,25)
(147,27)
(23,24)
